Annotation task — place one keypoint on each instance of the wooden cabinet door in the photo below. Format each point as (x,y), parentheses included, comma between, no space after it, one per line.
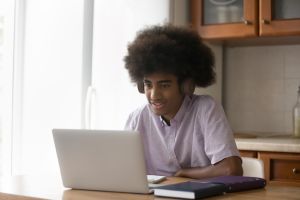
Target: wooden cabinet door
(286,23)
(245,27)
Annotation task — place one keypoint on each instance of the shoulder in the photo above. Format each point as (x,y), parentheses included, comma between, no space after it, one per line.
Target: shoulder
(203,101)
(139,111)
(202,98)
(206,107)
(136,116)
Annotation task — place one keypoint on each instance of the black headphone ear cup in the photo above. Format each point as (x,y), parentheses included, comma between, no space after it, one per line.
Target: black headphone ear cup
(188,87)
(140,86)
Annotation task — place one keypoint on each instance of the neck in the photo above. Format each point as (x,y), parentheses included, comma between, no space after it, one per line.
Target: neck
(167,118)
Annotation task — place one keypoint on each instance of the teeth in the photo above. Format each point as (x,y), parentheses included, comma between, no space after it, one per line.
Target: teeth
(158,105)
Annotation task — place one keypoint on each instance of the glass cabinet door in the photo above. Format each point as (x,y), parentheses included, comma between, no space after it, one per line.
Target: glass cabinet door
(279,17)
(287,9)
(223,19)
(222,11)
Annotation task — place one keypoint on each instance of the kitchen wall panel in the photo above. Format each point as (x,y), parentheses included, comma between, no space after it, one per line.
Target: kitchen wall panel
(260,87)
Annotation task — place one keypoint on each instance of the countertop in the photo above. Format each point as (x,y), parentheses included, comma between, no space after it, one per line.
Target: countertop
(268,142)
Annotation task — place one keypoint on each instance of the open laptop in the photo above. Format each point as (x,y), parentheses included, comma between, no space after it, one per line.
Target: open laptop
(101,160)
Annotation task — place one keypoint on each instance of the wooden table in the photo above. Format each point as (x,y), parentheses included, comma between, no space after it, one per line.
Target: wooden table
(50,187)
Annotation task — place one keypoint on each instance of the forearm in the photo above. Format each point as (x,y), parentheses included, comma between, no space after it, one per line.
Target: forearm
(228,166)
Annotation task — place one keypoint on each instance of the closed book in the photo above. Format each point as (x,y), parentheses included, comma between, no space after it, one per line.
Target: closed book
(190,190)
(237,183)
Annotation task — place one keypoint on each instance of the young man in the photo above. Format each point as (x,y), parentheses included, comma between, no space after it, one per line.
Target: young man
(183,134)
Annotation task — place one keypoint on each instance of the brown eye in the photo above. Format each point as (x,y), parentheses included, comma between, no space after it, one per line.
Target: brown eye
(147,85)
(165,85)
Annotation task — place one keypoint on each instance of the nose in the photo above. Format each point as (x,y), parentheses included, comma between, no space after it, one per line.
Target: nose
(155,93)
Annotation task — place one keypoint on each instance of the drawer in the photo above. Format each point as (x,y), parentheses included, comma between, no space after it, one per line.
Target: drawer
(284,169)
(281,168)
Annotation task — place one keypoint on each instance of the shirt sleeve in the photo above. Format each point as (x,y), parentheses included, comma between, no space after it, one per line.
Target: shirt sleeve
(218,137)
(130,125)
(134,119)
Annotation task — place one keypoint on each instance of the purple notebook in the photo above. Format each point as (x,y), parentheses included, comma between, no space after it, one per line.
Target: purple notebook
(237,183)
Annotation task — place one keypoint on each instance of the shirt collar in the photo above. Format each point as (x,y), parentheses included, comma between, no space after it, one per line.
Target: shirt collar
(182,110)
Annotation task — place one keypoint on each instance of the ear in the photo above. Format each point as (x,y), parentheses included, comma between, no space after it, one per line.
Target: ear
(140,86)
(188,87)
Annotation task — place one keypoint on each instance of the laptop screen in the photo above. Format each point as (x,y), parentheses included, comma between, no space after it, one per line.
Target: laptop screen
(101,160)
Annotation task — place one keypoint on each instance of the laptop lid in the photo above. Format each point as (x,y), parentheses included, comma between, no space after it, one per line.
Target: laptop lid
(101,160)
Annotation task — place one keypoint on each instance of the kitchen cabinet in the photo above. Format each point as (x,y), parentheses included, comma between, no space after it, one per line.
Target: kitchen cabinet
(279,17)
(216,19)
(249,154)
(280,168)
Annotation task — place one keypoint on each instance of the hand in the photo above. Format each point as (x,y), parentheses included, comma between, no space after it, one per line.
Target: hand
(178,173)
(228,166)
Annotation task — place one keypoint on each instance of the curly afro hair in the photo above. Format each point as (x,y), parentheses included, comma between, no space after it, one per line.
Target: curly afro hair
(170,49)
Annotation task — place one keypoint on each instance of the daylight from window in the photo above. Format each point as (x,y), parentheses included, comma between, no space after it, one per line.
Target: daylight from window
(59,61)
(6,80)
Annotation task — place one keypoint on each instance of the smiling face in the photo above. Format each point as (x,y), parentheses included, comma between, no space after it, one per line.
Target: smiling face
(163,93)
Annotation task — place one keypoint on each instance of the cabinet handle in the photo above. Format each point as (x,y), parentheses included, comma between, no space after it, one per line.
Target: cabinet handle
(295,171)
(264,21)
(247,22)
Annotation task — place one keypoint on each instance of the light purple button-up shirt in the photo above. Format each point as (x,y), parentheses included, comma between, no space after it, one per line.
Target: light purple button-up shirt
(199,135)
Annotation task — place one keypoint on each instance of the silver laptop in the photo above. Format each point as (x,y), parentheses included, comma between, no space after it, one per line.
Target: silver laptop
(101,160)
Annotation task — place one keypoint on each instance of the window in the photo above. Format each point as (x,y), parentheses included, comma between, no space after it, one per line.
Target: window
(50,52)
(115,25)
(6,80)
(51,81)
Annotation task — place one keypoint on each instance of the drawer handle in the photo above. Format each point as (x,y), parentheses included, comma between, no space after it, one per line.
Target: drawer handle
(295,171)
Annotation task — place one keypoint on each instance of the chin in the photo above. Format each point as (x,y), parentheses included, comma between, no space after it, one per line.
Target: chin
(158,112)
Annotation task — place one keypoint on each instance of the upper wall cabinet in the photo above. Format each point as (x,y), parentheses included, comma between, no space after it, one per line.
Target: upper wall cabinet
(278,17)
(225,19)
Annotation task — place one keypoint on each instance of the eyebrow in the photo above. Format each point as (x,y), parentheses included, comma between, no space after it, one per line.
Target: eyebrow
(161,81)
